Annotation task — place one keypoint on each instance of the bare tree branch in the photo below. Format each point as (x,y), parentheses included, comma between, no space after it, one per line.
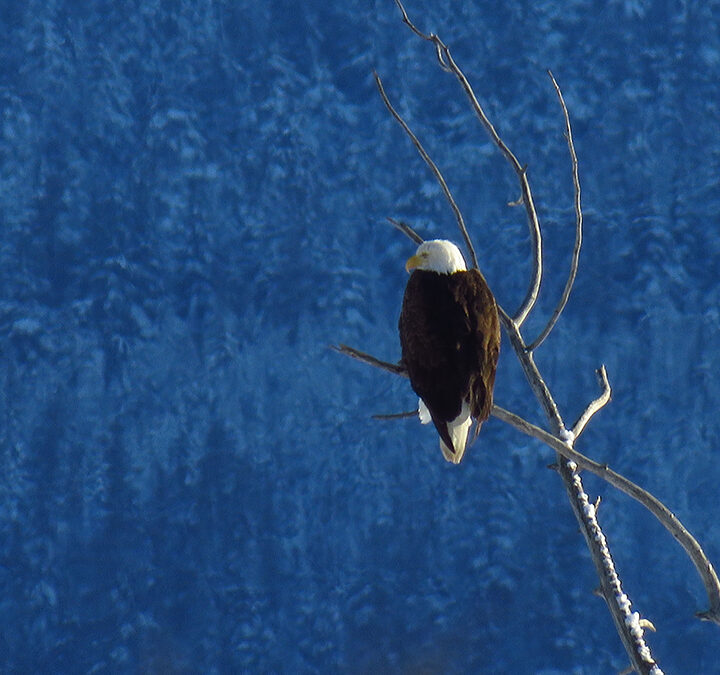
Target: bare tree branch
(564,448)
(636,649)
(666,517)
(406,230)
(638,652)
(394,368)
(396,416)
(433,167)
(600,402)
(447,63)
(578,225)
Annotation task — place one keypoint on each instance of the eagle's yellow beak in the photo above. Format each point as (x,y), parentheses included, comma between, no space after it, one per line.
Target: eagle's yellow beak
(413,262)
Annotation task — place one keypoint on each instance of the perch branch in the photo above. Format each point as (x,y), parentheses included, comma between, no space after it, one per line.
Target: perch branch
(578,225)
(406,230)
(638,652)
(433,167)
(394,368)
(396,416)
(447,63)
(666,517)
(636,649)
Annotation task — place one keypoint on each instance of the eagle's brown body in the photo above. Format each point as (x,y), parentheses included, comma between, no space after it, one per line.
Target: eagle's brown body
(450,338)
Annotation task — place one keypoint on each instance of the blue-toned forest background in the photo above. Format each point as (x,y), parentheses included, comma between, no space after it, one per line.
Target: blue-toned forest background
(192,205)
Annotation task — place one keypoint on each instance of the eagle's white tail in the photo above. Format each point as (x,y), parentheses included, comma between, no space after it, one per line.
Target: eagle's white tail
(458,430)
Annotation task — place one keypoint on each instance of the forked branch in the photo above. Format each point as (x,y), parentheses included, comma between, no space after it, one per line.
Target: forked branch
(434,168)
(666,517)
(525,352)
(564,447)
(448,63)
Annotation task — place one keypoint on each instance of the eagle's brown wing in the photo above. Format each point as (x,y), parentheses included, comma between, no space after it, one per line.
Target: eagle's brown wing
(450,339)
(474,296)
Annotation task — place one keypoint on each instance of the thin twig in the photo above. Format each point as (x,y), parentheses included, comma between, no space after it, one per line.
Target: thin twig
(600,402)
(396,416)
(406,230)
(448,63)
(394,368)
(578,225)
(433,167)
(666,517)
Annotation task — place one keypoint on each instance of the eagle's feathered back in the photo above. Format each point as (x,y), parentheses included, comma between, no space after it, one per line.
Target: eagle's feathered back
(450,338)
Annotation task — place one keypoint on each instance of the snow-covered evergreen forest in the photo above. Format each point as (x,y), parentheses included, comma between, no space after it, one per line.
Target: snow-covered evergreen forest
(192,208)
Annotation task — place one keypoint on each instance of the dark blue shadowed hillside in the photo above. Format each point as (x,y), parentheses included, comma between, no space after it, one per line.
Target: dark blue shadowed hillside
(192,208)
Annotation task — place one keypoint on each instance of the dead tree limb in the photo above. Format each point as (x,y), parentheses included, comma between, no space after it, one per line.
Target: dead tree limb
(394,368)
(666,517)
(448,64)
(565,447)
(578,225)
(434,168)
(629,625)
(406,230)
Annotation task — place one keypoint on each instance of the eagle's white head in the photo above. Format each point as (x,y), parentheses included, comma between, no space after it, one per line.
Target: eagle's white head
(437,255)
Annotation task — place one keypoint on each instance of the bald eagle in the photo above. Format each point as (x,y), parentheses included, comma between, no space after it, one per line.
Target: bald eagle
(450,338)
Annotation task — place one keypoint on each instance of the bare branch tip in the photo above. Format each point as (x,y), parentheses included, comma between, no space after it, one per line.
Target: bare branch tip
(401,8)
(411,25)
(603,380)
(395,416)
(648,625)
(709,615)
(406,230)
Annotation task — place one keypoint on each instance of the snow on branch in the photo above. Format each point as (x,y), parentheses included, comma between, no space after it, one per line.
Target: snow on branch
(564,447)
